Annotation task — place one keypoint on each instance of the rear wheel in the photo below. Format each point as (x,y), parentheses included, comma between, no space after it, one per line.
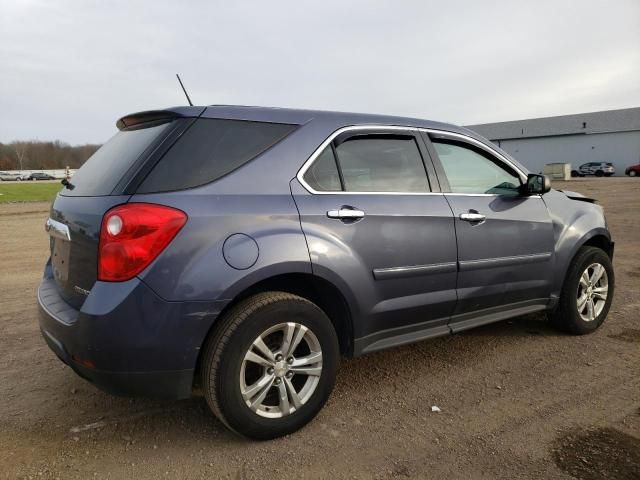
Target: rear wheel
(271,365)
(587,293)
(632,173)
(599,173)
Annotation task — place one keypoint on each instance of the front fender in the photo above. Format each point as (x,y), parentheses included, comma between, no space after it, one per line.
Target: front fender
(575,223)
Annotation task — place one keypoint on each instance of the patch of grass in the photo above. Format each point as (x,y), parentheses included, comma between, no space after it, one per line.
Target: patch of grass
(28,191)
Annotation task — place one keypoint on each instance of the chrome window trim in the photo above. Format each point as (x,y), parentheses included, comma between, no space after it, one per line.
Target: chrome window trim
(412,130)
(479,144)
(329,139)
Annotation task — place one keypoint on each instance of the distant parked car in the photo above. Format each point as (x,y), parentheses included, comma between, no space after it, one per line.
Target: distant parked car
(7,177)
(39,176)
(632,170)
(599,169)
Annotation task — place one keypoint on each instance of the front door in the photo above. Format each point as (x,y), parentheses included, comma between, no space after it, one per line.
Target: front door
(375,228)
(505,239)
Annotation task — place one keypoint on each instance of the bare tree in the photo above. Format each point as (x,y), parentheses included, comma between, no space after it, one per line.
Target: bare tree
(21,152)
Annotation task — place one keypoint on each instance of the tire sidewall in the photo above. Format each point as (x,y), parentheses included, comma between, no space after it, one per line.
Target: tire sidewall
(233,407)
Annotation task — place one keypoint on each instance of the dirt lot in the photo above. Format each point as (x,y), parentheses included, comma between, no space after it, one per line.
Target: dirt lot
(518,399)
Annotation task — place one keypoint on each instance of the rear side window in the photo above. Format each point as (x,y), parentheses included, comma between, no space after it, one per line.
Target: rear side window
(210,149)
(382,164)
(101,173)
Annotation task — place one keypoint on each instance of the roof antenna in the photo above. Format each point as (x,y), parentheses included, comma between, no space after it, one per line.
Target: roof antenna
(184,90)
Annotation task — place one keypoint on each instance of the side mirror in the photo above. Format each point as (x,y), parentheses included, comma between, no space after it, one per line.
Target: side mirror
(536,184)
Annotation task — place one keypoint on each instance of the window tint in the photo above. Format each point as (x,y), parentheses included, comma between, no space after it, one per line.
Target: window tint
(382,164)
(469,171)
(210,149)
(323,175)
(101,173)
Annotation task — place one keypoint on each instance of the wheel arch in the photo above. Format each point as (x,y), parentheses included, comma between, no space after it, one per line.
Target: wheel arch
(597,237)
(316,289)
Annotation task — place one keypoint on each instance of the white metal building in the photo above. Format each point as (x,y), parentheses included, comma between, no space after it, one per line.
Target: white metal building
(607,136)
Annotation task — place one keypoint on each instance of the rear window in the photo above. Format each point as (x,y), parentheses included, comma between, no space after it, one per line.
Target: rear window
(101,173)
(210,149)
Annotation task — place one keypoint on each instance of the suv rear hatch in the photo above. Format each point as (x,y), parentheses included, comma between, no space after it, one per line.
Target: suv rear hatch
(104,181)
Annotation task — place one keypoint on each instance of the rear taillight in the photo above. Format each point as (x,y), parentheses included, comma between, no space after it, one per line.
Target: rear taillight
(132,236)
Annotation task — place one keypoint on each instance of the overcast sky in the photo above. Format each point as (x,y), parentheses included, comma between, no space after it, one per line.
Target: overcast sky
(69,69)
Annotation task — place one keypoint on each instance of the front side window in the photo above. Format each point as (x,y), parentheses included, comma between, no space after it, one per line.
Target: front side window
(382,163)
(470,170)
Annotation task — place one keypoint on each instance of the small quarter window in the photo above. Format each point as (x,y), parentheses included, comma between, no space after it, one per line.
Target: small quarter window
(323,174)
(382,163)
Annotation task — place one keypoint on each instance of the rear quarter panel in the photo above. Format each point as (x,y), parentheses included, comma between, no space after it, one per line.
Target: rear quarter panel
(193,267)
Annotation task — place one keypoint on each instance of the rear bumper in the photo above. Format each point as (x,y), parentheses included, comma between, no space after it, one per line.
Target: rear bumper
(163,384)
(125,339)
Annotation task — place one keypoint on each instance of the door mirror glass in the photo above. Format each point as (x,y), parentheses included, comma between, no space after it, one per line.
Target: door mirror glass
(537,184)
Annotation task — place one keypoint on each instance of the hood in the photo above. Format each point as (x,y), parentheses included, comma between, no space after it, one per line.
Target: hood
(578,196)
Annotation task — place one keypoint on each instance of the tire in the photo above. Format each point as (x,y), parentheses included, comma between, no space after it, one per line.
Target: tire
(226,371)
(566,316)
(632,173)
(599,173)
(574,173)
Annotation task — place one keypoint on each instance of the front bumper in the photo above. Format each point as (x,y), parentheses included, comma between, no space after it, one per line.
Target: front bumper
(125,339)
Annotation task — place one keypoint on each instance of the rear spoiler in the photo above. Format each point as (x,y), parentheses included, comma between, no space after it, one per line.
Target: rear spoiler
(154,117)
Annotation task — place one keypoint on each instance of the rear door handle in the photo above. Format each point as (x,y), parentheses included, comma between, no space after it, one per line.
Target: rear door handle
(345,214)
(472,217)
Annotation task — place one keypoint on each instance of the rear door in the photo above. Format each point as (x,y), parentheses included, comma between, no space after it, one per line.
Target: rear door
(377,226)
(505,240)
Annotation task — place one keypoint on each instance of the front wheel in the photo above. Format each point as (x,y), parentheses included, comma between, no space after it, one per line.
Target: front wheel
(586,294)
(270,366)
(632,173)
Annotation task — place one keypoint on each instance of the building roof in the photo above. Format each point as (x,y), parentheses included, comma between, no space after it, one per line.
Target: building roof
(624,120)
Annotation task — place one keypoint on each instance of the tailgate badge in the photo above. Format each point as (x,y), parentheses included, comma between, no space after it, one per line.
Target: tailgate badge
(81,291)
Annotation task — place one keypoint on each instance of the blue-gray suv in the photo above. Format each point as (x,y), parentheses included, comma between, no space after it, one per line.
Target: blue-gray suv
(243,250)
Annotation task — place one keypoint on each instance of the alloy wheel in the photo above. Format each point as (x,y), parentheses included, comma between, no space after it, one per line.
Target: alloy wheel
(281,370)
(593,289)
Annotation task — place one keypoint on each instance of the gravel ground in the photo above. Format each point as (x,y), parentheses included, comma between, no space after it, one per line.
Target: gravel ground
(517,399)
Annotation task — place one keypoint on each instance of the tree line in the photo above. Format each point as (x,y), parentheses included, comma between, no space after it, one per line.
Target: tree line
(36,155)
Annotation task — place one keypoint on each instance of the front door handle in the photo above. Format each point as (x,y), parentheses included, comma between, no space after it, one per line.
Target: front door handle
(472,217)
(346,214)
